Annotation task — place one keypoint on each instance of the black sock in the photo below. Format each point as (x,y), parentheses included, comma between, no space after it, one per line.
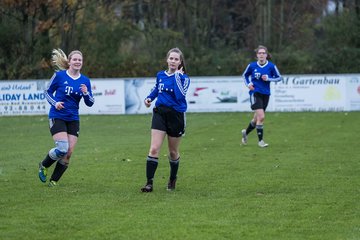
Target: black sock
(59,170)
(174,166)
(48,161)
(260,132)
(250,127)
(151,166)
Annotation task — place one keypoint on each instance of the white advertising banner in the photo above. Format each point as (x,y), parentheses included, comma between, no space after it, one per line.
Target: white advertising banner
(353,93)
(205,94)
(109,97)
(309,93)
(217,94)
(340,92)
(22,98)
(136,90)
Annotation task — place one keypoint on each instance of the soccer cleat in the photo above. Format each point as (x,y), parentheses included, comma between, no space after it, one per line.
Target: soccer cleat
(52,183)
(147,188)
(244,137)
(171,185)
(42,173)
(262,144)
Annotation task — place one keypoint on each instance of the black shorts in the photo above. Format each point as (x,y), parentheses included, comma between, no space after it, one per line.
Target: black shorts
(168,120)
(58,125)
(259,101)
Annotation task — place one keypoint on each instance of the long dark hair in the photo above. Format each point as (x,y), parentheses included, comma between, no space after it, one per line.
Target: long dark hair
(182,59)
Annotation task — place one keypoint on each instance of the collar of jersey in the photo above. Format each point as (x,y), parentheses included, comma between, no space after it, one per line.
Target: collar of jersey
(262,65)
(67,73)
(168,74)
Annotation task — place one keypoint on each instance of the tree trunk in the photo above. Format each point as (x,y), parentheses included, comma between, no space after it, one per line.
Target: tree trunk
(281,24)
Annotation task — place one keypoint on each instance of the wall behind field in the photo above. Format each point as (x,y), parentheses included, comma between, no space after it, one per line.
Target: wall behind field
(337,92)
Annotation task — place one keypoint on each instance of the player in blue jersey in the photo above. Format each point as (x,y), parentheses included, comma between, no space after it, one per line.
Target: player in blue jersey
(66,88)
(258,76)
(168,116)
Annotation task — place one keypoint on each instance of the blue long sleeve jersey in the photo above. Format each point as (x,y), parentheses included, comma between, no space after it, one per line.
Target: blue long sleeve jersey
(64,88)
(170,90)
(253,73)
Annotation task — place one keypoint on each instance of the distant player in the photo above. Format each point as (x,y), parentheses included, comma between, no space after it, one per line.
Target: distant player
(257,77)
(66,88)
(168,116)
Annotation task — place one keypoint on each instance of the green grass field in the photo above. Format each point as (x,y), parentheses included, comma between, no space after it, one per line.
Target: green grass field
(305,185)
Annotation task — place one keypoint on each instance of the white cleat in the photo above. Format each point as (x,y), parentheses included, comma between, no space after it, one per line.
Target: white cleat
(262,144)
(244,137)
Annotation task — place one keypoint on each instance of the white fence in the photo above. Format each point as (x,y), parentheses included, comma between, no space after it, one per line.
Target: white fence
(206,94)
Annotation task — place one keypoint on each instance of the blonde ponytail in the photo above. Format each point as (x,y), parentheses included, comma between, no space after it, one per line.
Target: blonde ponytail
(59,60)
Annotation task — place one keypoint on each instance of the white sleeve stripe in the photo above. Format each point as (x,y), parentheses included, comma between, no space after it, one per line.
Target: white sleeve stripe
(183,89)
(275,79)
(91,99)
(247,81)
(51,80)
(49,98)
(277,71)
(186,84)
